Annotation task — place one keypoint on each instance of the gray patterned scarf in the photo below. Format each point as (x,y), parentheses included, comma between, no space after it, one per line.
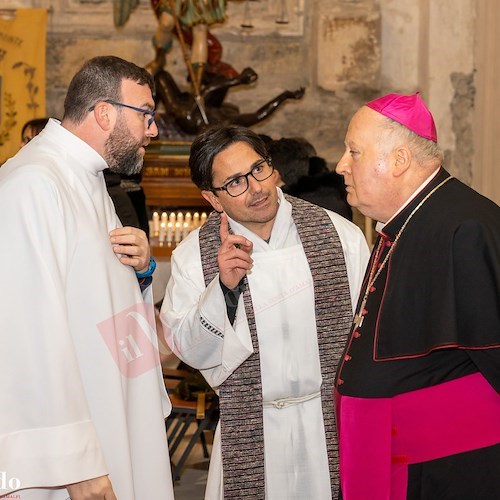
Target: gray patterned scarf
(241,411)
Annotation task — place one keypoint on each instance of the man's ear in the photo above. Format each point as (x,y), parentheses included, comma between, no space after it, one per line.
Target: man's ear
(104,115)
(213,200)
(402,162)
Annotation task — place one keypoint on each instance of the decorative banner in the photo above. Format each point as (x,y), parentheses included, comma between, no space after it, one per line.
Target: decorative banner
(22,74)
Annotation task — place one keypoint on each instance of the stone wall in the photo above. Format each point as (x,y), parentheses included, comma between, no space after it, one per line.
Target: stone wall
(430,46)
(342,51)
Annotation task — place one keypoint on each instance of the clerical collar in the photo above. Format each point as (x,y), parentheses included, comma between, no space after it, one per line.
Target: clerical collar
(80,151)
(383,228)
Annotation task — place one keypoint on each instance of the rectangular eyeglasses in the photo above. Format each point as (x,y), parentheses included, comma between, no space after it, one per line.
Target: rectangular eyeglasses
(146,112)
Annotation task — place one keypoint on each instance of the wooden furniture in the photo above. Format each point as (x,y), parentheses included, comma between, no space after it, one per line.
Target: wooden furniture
(166,178)
(167,184)
(202,412)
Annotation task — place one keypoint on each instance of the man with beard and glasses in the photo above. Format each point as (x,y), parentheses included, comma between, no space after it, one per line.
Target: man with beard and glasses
(84,400)
(260,300)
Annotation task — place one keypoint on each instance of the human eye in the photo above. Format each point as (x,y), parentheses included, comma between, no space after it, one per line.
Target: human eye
(258,168)
(236,182)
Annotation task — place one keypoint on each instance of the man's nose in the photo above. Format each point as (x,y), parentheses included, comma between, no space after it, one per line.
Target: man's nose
(253,184)
(152,131)
(343,164)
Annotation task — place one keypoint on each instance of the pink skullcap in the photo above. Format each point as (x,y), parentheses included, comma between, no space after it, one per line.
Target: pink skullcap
(409,110)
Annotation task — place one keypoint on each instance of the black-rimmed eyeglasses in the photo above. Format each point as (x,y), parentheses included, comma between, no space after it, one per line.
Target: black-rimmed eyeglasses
(145,112)
(260,171)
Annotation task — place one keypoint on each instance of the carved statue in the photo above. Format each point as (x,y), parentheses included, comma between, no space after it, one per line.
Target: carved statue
(210,77)
(178,17)
(187,114)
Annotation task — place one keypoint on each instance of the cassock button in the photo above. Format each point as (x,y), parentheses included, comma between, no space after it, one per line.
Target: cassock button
(364,312)
(372,289)
(388,243)
(340,381)
(347,357)
(356,334)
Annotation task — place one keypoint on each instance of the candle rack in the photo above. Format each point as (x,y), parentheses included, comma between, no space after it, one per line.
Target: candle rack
(171,195)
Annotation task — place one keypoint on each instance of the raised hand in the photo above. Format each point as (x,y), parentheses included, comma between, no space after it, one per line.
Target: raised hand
(234,255)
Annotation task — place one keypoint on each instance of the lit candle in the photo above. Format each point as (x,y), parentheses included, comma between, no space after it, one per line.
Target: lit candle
(170,233)
(185,230)
(188,219)
(196,220)
(180,218)
(161,235)
(177,235)
(164,218)
(156,223)
(171,218)
(203,218)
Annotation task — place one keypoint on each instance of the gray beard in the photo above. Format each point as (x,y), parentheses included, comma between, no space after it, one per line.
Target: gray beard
(121,152)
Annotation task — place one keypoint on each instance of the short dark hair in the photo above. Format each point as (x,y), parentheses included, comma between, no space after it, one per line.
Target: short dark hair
(290,157)
(100,79)
(36,125)
(210,143)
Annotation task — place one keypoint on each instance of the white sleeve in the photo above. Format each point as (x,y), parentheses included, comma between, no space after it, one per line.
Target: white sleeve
(356,253)
(47,437)
(195,322)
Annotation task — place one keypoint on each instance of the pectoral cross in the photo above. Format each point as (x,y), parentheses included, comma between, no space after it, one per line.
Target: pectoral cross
(358,319)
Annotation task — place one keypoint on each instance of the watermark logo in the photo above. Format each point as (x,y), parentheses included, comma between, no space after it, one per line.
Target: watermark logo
(9,483)
(131,339)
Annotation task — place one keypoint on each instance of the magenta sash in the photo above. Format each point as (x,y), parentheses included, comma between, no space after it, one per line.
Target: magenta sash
(379,438)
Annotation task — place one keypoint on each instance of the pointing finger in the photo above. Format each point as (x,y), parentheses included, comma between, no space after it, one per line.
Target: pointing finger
(224,227)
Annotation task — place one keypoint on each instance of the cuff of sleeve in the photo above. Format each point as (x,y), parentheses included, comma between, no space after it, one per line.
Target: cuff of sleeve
(231,297)
(150,270)
(54,456)
(145,282)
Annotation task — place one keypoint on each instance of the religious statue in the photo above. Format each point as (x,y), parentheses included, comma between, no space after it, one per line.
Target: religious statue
(210,77)
(188,115)
(178,16)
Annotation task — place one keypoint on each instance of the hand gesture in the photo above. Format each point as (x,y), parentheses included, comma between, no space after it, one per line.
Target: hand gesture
(133,245)
(98,488)
(234,255)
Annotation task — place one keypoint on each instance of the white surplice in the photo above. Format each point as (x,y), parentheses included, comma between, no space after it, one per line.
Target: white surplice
(197,329)
(82,395)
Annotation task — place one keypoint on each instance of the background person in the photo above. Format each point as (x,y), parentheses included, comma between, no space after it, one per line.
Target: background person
(32,128)
(306,175)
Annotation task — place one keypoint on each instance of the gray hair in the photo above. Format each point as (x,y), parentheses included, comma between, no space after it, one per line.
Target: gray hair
(423,149)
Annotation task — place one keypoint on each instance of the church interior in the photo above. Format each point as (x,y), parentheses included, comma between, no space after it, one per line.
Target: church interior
(313,63)
(342,52)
